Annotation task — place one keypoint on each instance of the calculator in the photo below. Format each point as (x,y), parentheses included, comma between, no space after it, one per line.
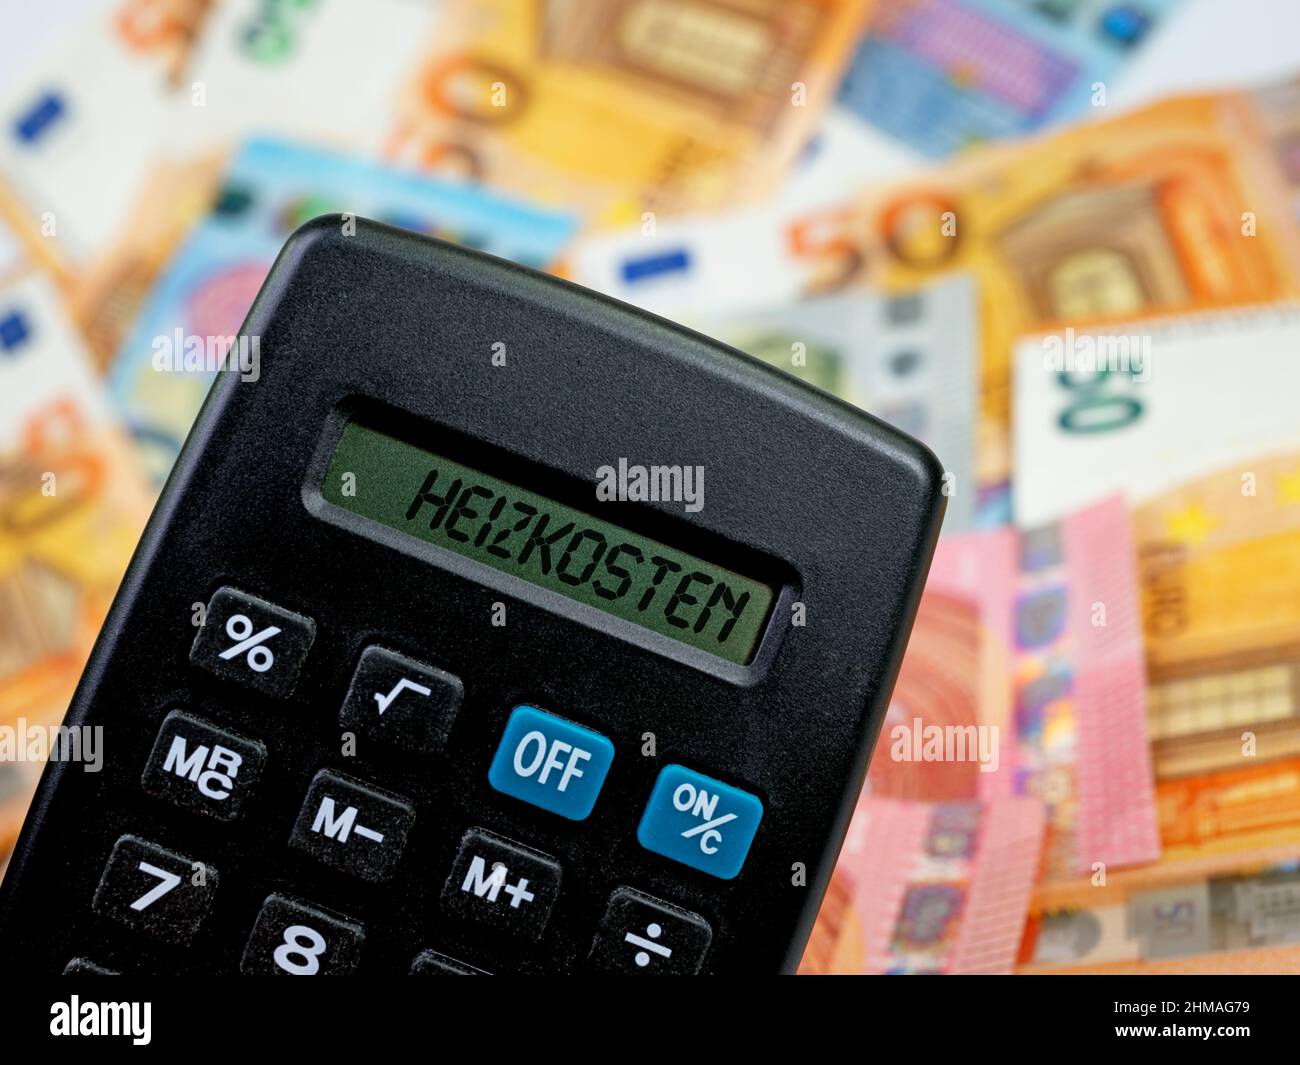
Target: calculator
(484,625)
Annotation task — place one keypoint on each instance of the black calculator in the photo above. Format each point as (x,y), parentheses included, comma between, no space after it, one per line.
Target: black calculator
(485,625)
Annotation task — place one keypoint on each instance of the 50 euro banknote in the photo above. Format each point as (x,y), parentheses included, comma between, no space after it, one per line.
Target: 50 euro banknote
(1170,208)
(1179,206)
(1145,405)
(623,107)
(72,505)
(72,498)
(80,127)
(1218,563)
(1199,432)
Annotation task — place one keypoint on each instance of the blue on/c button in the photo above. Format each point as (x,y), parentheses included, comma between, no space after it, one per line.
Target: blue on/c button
(551,763)
(699,821)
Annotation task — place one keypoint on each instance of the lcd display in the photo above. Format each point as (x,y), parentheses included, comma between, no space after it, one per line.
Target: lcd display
(571,552)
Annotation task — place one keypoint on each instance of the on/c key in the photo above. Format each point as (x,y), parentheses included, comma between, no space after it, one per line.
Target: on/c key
(551,763)
(699,821)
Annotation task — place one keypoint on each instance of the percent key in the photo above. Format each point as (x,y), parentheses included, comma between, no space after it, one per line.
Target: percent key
(246,639)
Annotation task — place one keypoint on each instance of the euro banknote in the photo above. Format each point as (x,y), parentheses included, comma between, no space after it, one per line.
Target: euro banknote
(1080,693)
(325,72)
(74,501)
(1027,645)
(1157,211)
(1221,595)
(1216,564)
(623,108)
(106,296)
(79,128)
(17,784)
(72,505)
(1025,677)
(1176,207)
(698,265)
(1140,407)
(948,75)
(929,888)
(949,733)
(1238,916)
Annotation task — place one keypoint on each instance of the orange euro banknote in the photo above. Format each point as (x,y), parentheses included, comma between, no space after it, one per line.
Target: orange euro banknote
(1177,206)
(1218,561)
(625,106)
(72,499)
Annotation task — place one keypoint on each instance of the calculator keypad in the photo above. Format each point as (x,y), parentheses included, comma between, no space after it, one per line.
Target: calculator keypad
(201,767)
(402,702)
(154,890)
(352,826)
(252,642)
(641,934)
(361,829)
(502,883)
(292,938)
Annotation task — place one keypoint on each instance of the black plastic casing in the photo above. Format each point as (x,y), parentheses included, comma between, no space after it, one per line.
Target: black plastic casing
(838,509)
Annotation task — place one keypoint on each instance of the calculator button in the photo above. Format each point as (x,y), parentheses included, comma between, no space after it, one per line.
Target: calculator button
(502,883)
(85,967)
(431,963)
(155,891)
(253,642)
(295,939)
(401,701)
(201,767)
(551,763)
(699,821)
(352,826)
(642,934)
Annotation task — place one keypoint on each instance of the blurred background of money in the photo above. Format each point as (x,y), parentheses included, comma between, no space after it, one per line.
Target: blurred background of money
(913,204)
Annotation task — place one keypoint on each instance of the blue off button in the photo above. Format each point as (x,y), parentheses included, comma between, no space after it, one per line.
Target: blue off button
(551,763)
(699,821)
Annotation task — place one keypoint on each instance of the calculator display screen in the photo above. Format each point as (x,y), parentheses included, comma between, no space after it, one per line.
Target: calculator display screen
(517,530)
